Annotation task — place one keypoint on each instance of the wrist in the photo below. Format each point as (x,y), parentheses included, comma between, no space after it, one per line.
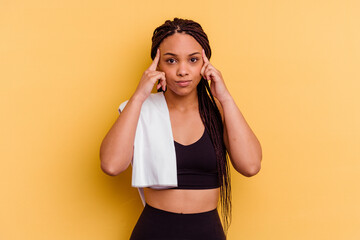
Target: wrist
(137,98)
(225,98)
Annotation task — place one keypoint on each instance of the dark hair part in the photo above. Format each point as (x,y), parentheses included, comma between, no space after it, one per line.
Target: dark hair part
(208,109)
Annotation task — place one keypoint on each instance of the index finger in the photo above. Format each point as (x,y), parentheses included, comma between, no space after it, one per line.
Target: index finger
(206,60)
(156,61)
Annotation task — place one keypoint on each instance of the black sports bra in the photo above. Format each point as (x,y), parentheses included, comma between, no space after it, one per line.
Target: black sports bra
(196,164)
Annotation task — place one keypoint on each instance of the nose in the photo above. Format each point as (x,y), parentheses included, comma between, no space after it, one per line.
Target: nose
(182,69)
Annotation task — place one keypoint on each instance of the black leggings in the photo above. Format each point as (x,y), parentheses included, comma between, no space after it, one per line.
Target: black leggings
(155,223)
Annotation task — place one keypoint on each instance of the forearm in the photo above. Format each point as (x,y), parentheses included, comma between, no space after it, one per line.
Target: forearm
(243,147)
(117,148)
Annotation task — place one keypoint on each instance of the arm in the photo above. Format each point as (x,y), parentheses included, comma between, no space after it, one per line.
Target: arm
(241,143)
(117,148)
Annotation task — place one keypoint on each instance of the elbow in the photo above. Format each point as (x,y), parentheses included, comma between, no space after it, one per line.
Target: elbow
(252,171)
(110,171)
(110,168)
(255,168)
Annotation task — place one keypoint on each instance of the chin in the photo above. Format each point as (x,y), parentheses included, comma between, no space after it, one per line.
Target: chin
(182,91)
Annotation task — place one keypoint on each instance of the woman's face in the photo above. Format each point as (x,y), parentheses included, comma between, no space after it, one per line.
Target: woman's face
(181,60)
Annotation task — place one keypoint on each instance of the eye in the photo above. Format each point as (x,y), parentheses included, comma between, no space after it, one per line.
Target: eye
(170,60)
(194,60)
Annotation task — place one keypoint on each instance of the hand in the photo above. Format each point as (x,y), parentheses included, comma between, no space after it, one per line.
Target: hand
(149,78)
(217,85)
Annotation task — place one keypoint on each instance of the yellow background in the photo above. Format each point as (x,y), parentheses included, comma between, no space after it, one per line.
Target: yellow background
(292,67)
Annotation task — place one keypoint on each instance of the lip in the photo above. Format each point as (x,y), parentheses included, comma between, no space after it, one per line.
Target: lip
(183,83)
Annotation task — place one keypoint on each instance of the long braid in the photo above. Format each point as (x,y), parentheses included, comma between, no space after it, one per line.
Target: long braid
(211,117)
(209,112)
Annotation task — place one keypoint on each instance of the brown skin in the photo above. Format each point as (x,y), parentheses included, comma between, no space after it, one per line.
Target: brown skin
(185,119)
(244,149)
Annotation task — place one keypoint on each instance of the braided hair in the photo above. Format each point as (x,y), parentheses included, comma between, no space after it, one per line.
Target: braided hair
(209,112)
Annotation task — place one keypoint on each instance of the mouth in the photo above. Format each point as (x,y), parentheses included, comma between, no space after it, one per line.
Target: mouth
(183,83)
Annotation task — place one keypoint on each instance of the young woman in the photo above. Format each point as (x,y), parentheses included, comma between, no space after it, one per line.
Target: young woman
(206,127)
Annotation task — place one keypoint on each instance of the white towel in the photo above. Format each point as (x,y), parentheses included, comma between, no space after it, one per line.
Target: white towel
(154,160)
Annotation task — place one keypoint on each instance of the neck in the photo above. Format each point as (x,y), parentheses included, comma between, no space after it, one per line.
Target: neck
(181,103)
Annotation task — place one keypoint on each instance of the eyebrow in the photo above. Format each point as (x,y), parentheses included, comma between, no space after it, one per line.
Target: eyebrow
(173,54)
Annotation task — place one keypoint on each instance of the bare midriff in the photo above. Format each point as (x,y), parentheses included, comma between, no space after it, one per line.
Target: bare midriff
(183,200)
